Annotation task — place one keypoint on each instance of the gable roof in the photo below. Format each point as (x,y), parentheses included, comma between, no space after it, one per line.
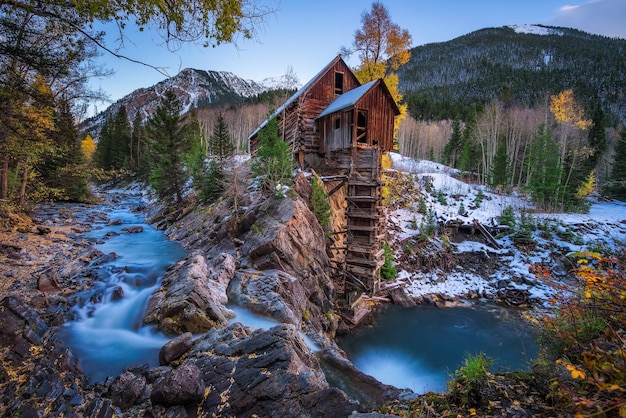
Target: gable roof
(295,96)
(347,99)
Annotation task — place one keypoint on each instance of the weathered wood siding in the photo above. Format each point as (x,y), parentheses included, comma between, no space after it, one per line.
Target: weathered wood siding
(381,114)
(297,124)
(338,129)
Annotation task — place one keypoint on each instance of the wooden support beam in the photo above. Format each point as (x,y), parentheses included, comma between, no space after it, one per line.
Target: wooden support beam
(337,187)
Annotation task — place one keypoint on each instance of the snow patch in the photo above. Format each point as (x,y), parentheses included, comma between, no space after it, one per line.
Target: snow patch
(536,30)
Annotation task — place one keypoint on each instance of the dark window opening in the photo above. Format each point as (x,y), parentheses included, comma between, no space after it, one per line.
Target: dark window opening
(337,123)
(338,83)
(361,127)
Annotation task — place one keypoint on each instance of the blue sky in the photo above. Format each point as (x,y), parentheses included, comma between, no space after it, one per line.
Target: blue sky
(305,35)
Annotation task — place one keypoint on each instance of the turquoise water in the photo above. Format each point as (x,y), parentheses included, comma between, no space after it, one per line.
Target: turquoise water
(419,348)
(108,334)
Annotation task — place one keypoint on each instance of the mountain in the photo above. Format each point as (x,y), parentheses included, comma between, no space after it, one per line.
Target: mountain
(194,88)
(521,64)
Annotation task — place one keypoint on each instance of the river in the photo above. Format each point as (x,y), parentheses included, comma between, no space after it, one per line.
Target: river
(416,348)
(107,334)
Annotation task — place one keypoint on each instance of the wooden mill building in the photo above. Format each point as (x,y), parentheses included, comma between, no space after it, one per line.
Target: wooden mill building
(341,129)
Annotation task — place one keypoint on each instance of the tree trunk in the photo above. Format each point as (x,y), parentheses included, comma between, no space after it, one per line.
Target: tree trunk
(22,195)
(4,178)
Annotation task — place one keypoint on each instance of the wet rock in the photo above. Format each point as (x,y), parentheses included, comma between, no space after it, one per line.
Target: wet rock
(118,293)
(133,229)
(48,283)
(265,373)
(175,348)
(97,296)
(128,389)
(188,300)
(43,230)
(114,222)
(182,385)
(101,408)
(399,297)
(271,293)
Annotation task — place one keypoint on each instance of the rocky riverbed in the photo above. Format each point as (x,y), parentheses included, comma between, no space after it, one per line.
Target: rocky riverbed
(273,263)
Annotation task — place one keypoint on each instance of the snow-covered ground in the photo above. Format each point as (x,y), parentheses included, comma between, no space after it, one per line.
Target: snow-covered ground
(604,227)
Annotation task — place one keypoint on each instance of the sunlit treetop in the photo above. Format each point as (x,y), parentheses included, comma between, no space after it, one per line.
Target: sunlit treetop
(211,22)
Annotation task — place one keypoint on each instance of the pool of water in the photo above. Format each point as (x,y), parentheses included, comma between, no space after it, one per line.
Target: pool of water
(419,348)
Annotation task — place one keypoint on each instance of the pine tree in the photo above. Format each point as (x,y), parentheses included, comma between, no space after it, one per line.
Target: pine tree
(319,202)
(65,172)
(211,184)
(139,155)
(274,161)
(452,150)
(121,139)
(168,141)
(220,144)
(617,184)
(500,171)
(545,170)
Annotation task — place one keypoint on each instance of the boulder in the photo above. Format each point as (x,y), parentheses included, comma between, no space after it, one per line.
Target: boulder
(182,385)
(174,349)
(48,283)
(128,389)
(188,300)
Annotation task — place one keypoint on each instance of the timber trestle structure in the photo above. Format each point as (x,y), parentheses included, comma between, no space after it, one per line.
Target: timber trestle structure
(364,216)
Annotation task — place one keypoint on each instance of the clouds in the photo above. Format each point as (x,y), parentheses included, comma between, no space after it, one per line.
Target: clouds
(601,17)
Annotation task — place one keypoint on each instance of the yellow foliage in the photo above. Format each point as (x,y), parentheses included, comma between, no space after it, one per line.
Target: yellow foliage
(588,187)
(88,146)
(386,161)
(565,110)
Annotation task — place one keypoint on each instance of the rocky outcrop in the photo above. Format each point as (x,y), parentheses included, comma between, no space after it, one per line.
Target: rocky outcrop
(271,293)
(192,298)
(36,365)
(264,373)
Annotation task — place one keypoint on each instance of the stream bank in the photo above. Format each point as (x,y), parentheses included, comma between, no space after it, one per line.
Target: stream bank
(271,372)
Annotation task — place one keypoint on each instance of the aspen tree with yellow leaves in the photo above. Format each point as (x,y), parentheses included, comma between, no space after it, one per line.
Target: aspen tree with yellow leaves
(571,123)
(382,47)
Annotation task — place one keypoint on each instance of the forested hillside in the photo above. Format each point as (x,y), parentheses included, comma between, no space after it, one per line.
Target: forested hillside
(521,65)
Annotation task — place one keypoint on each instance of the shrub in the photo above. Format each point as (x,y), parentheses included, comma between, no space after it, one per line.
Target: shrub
(388,270)
(507,217)
(319,202)
(523,234)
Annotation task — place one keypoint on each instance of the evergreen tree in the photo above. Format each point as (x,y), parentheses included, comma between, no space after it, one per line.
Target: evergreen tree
(545,169)
(500,171)
(274,161)
(617,184)
(166,132)
(121,139)
(65,172)
(220,144)
(319,202)
(452,150)
(211,183)
(523,234)
(138,155)
(113,149)
(102,154)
